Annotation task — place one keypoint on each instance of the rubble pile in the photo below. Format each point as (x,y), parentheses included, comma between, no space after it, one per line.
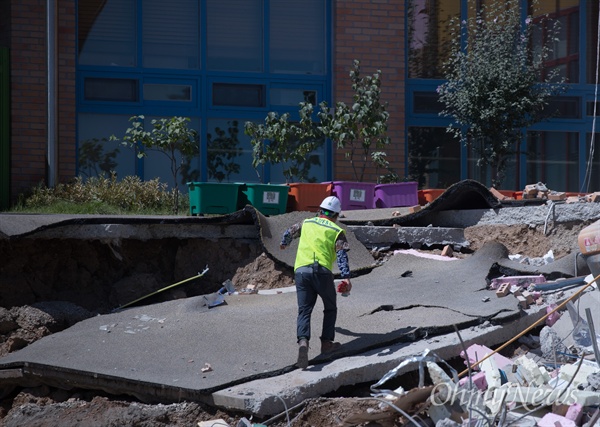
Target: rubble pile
(523,391)
(544,383)
(541,191)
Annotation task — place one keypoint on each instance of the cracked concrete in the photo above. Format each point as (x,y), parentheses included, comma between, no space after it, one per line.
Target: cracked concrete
(249,341)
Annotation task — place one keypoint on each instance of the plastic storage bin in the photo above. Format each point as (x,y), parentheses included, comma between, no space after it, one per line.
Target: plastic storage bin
(354,195)
(268,199)
(307,196)
(396,194)
(213,197)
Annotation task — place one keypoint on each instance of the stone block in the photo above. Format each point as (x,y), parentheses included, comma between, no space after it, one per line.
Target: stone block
(447,251)
(503,290)
(556,195)
(522,301)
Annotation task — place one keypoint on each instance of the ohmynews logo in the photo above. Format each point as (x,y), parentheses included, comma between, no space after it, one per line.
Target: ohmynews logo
(528,397)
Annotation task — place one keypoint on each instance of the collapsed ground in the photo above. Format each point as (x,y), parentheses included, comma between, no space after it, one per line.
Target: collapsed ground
(45,406)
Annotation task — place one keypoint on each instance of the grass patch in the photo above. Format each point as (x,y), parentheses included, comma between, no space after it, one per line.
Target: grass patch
(103,196)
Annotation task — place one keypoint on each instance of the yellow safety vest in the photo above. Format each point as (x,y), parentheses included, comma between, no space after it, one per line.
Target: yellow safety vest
(317,242)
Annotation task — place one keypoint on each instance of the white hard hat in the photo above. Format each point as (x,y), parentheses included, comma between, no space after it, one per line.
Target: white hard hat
(332,204)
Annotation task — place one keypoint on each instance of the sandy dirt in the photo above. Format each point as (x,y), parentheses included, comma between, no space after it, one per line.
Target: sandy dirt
(45,406)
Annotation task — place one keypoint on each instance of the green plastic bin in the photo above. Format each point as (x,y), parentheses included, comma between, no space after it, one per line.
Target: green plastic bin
(268,199)
(213,197)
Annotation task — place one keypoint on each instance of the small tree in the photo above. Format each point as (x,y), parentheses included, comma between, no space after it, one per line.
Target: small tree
(280,140)
(169,136)
(496,83)
(360,129)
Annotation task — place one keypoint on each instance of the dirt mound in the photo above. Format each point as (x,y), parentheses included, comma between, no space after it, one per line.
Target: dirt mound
(262,273)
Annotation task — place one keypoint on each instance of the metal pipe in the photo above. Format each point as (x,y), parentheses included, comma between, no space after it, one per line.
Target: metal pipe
(52,149)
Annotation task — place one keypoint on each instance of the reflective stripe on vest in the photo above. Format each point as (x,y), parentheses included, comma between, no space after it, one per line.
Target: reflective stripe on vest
(317,242)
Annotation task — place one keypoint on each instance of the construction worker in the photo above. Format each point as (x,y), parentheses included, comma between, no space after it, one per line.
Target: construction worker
(321,242)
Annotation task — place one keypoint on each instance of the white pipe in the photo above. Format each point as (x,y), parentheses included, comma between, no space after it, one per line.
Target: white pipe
(52,149)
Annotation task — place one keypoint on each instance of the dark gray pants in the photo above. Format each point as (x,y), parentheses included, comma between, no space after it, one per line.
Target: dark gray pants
(311,283)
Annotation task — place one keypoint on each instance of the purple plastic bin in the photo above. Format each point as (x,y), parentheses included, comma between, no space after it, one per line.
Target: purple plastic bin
(354,195)
(396,194)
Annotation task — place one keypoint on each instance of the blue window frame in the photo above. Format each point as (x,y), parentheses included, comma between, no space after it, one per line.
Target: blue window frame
(576,56)
(215,61)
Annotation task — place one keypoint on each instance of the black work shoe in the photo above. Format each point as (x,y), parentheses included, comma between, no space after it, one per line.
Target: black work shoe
(302,354)
(329,346)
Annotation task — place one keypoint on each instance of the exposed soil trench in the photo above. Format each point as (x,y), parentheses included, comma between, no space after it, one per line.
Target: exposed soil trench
(46,286)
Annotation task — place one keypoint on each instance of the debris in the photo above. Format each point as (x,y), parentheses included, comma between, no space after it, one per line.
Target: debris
(521,281)
(447,251)
(207,368)
(552,316)
(552,346)
(503,290)
(477,352)
(213,300)
(218,422)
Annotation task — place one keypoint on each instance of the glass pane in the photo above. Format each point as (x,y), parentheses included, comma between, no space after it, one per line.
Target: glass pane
(292,97)
(297,37)
(96,154)
(312,168)
(565,44)
(107,32)
(433,157)
(234,35)
(170,34)
(552,158)
(566,107)
(229,152)
(594,182)
(123,90)
(427,103)
(238,95)
(429,36)
(167,92)
(157,165)
(593,108)
(591,40)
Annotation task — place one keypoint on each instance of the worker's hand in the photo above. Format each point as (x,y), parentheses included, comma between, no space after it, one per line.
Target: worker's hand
(348,285)
(282,247)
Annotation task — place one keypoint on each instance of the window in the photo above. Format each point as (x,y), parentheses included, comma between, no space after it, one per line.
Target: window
(592,40)
(170,34)
(434,157)
(120,90)
(427,103)
(238,95)
(97,155)
(107,32)
(167,92)
(234,35)
(429,35)
(229,152)
(564,107)
(297,38)
(565,49)
(292,97)
(552,158)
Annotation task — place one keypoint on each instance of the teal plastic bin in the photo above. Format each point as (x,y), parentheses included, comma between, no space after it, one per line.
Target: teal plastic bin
(213,197)
(268,199)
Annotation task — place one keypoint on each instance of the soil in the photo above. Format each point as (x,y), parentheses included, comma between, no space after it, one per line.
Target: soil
(45,406)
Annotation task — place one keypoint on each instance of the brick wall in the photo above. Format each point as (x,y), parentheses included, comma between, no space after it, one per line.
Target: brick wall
(29,93)
(371,31)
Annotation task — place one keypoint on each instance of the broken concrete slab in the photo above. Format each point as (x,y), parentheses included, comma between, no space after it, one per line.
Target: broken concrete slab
(412,236)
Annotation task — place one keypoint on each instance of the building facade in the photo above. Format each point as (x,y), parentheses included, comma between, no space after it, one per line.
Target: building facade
(72,73)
